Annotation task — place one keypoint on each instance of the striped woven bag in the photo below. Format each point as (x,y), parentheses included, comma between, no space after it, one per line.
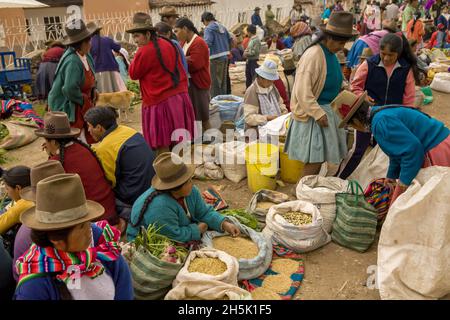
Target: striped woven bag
(379,195)
(355,225)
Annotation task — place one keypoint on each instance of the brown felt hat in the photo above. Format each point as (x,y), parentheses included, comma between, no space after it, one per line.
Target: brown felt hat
(57,126)
(171,171)
(169,11)
(346,104)
(141,22)
(340,24)
(38,173)
(366,54)
(77,31)
(61,203)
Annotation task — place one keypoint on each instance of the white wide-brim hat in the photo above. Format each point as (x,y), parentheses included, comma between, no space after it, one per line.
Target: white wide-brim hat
(268,70)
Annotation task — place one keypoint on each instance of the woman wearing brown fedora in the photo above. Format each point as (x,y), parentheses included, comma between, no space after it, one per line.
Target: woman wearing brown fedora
(313,136)
(74,89)
(166,105)
(62,145)
(175,204)
(70,258)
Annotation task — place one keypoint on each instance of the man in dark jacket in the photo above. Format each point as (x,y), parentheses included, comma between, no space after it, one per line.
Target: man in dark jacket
(256,18)
(125,156)
(219,42)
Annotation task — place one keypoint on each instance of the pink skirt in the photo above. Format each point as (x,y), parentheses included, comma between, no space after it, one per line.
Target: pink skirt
(169,122)
(439,155)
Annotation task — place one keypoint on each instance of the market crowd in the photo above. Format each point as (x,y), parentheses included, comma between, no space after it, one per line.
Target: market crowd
(104,180)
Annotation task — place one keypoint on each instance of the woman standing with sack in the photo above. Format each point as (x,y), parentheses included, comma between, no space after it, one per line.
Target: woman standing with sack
(313,136)
(166,104)
(73,90)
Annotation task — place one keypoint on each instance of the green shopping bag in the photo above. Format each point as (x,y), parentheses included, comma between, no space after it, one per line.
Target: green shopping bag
(355,225)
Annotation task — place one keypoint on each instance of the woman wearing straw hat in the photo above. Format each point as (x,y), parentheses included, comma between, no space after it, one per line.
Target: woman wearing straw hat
(175,205)
(411,139)
(313,136)
(76,157)
(70,258)
(262,101)
(73,90)
(166,104)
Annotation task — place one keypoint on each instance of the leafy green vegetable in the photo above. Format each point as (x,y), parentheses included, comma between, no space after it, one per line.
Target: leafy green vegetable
(3,132)
(243,216)
(160,246)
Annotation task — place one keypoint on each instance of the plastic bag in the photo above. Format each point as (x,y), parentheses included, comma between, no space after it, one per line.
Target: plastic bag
(441,82)
(321,191)
(248,268)
(229,276)
(228,106)
(300,239)
(373,166)
(414,246)
(231,156)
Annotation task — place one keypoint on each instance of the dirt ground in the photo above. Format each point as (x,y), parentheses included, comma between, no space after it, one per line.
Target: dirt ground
(332,272)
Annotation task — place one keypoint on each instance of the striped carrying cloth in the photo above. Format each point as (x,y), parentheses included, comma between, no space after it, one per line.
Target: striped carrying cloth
(379,195)
(356,220)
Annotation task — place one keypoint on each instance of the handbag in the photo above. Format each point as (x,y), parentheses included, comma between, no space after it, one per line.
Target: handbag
(356,220)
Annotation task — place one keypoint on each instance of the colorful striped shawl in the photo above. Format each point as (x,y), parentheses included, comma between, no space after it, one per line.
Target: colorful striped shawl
(37,260)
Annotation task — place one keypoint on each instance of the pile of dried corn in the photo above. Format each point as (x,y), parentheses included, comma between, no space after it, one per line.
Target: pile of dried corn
(239,247)
(298,218)
(285,266)
(211,266)
(264,294)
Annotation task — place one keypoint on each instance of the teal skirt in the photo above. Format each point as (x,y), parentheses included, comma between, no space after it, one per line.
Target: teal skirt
(308,142)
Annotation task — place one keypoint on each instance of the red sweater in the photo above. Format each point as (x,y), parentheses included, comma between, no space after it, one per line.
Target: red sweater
(156,83)
(78,159)
(197,58)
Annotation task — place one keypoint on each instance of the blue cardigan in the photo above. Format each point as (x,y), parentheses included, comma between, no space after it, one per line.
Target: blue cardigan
(44,288)
(165,212)
(406,135)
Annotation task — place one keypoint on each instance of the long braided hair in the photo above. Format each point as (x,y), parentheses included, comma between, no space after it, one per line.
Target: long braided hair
(148,201)
(175,74)
(62,146)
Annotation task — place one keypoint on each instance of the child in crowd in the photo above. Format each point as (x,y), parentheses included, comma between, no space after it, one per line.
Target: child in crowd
(252,55)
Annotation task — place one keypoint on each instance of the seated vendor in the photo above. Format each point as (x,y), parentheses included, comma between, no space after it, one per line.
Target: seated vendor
(15,179)
(411,139)
(175,205)
(262,101)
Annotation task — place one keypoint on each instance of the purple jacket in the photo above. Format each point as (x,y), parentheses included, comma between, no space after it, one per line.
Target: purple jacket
(101,51)
(21,245)
(373,40)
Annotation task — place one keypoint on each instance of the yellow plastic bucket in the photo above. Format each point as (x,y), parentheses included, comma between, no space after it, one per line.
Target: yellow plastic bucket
(291,170)
(262,166)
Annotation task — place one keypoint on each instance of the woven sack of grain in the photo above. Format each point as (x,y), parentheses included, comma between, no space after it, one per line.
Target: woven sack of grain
(248,268)
(229,275)
(19,135)
(265,197)
(321,191)
(414,246)
(207,290)
(152,278)
(301,238)
(372,166)
(231,156)
(441,82)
